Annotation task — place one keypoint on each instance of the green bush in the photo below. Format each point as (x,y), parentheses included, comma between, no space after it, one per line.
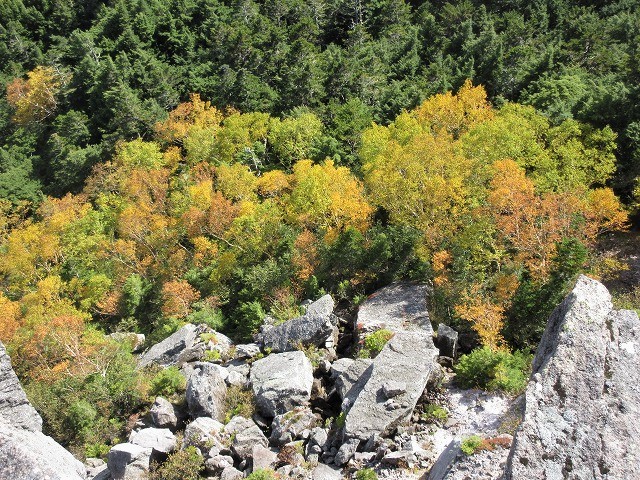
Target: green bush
(494,370)
(167,382)
(435,413)
(471,445)
(366,474)
(184,464)
(239,401)
(262,474)
(374,343)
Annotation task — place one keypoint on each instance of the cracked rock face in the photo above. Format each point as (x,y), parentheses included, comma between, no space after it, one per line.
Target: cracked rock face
(582,416)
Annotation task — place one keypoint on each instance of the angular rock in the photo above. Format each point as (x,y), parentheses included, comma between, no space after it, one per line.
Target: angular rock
(313,328)
(346,451)
(163,414)
(443,464)
(409,355)
(231,473)
(15,409)
(206,391)
(325,472)
(447,341)
(247,350)
(127,461)
(173,350)
(290,425)
(161,440)
(281,382)
(582,414)
(395,307)
(263,457)
(217,463)
(238,424)
(246,439)
(201,431)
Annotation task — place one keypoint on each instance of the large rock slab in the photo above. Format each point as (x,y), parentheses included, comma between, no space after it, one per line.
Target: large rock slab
(14,406)
(206,391)
(281,382)
(315,327)
(382,403)
(173,350)
(28,455)
(396,307)
(582,414)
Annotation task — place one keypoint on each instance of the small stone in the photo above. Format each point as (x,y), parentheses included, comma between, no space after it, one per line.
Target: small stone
(392,388)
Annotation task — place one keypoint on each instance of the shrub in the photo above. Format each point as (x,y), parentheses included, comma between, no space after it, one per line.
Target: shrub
(375,342)
(471,445)
(435,413)
(167,382)
(494,370)
(184,464)
(239,401)
(366,474)
(262,474)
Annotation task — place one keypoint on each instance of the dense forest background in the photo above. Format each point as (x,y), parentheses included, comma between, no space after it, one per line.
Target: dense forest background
(119,66)
(202,161)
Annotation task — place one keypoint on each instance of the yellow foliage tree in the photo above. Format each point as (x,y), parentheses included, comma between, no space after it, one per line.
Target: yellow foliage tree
(34,99)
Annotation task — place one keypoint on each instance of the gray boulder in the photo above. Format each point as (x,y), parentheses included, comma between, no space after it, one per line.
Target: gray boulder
(173,350)
(201,431)
(163,414)
(206,391)
(246,439)
(325,472)
(315,327)
(447,341)
(160,440)
(290,425)
(395,307)
(411,356)
(582,414)
(15,409)
(29,455)
(127,461)
(281,382)
(263,458)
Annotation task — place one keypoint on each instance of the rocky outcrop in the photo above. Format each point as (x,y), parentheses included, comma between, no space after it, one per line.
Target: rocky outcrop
(281,382)
(382,404)
(386,392)
(25,452)
(175,349)
(582,414)
(315,327)
(14,406)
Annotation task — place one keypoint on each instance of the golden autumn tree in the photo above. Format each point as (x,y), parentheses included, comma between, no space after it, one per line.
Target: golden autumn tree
(326,197)
(34,99)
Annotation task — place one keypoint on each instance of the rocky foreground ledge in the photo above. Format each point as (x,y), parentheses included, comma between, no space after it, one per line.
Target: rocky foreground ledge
(579,418)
